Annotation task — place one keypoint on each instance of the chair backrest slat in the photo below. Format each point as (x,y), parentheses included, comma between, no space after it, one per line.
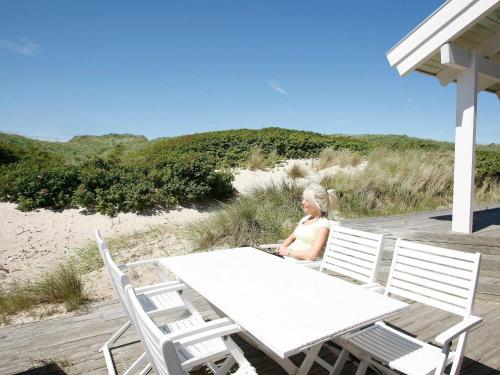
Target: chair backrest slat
(442,278)
(161,352)
(118,278)
(353,253)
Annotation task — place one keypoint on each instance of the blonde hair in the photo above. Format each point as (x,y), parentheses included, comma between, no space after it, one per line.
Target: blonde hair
(323,199)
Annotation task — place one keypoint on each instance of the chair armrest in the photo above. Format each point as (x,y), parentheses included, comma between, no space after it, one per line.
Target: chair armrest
(209,334)
(270,246)
(141,263)
(206,331)
(459,328)
(309,263)
(153,290)
(373,287)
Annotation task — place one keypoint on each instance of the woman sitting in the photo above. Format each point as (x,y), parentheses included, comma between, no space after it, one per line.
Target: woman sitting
(310,236)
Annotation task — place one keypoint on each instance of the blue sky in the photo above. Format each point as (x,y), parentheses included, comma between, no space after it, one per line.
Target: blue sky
(164,68)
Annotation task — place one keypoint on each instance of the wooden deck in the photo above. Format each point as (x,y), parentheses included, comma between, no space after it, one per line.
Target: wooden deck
(70,344)
(434,228)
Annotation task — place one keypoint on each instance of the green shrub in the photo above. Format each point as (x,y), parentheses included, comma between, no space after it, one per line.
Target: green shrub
(8,153)
(234,147)
(109,187)
(487,166)
(40,186)
(126,173)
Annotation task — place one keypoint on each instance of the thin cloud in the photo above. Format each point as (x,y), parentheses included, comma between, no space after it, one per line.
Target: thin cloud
(275,85)
(22,46)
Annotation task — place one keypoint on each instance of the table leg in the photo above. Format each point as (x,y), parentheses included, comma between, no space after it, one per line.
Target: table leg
(307,363)
(286,363)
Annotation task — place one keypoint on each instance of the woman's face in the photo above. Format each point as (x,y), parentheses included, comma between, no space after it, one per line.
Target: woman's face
(309,207)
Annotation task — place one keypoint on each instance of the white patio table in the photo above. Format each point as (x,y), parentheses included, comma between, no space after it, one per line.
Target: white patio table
(284,308)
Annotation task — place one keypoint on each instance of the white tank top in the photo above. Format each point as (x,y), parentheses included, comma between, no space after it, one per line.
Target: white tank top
(305,234)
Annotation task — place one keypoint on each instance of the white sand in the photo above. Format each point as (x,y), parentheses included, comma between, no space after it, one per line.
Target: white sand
(245,180)
(33,241)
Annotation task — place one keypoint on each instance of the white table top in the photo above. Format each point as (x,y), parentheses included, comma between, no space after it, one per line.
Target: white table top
(287,307)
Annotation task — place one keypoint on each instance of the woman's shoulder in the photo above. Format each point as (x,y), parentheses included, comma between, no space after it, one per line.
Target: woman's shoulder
(323,222)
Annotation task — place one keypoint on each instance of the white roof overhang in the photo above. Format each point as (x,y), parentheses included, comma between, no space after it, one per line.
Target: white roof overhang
(443,43)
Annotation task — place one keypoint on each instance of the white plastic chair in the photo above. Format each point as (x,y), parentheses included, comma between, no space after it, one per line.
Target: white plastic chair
(441,278)
(156,299)
(349,252)
(354,253)
(177,348)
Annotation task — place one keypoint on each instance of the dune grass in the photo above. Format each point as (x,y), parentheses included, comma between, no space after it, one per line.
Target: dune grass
(63,284)
(296,170)
(256,160)
(396,183)
(88,259)
(266,215)
(393,182)
(343,158)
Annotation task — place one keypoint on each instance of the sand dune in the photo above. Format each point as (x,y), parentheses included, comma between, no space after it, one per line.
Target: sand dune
(30,242)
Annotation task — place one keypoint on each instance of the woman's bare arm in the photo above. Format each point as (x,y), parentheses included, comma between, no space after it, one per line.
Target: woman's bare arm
(321,237)
(284,246)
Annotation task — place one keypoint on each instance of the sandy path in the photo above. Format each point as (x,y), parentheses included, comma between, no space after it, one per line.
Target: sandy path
(245,180)
(32,241)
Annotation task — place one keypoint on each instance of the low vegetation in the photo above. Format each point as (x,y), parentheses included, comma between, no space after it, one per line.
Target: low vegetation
(63,285)
(256,160)
(266,215)
(393,182)
(297,170)
(343,158)
(126,173)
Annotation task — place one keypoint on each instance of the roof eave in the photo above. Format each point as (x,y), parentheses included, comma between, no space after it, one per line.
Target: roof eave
(446,23)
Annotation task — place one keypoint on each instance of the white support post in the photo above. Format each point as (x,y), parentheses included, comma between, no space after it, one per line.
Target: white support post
(465,148)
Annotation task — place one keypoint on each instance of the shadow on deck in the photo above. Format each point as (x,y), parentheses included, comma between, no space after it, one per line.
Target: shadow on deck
(482,218)
(44,369)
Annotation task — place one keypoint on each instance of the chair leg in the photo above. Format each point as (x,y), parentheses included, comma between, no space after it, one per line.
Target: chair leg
(459,354)
(328,367)
(340,362)
(311,356)
(109,361)
(363,366)
(138,363)
(146,369)
(226,366)
(116,335)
